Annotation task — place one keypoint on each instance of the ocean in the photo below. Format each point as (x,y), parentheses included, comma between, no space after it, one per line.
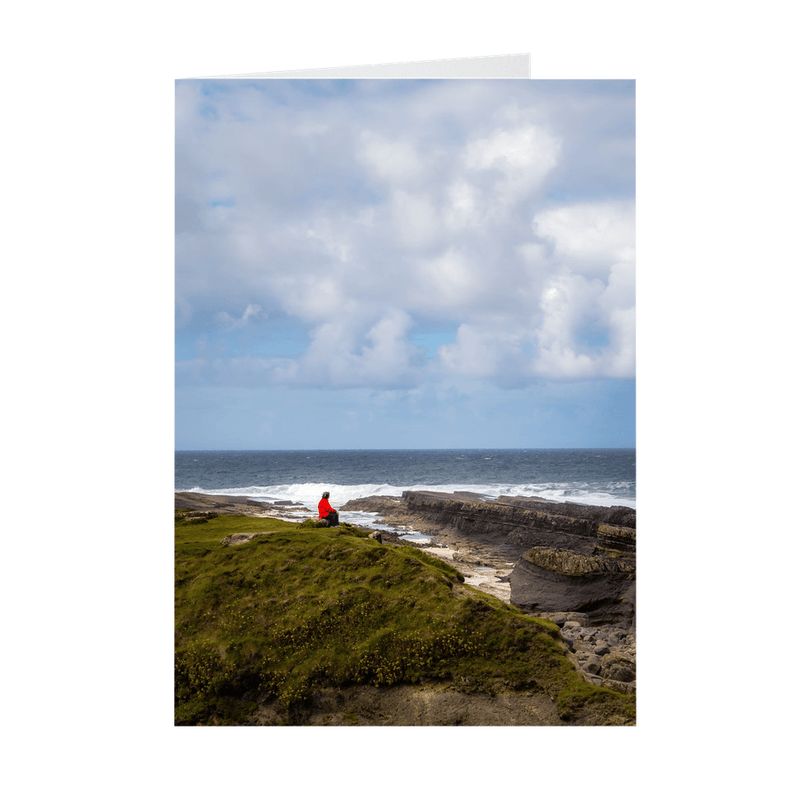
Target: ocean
(603,477)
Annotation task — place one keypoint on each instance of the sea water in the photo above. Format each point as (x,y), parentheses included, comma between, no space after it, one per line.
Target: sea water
(603,477)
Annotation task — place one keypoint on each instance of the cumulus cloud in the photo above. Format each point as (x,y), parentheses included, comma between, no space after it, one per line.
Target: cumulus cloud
(355,353)
(398,162)
(362,210)
(592,297)
(589,236)
(522,157)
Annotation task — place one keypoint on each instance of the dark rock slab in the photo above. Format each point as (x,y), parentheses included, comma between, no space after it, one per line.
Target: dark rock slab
(226,504)
(602,587)
(529,522)
(621,516)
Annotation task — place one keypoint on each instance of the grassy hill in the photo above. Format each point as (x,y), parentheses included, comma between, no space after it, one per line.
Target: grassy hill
(305,609)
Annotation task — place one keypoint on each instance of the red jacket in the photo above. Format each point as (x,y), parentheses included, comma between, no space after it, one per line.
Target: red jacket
(325,508)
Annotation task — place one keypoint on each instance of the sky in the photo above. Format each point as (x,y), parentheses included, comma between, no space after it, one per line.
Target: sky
(404,263)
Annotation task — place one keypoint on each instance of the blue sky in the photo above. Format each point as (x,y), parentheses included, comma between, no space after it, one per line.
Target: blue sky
(369,264)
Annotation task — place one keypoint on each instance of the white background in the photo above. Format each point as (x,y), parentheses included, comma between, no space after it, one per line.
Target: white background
(87,328)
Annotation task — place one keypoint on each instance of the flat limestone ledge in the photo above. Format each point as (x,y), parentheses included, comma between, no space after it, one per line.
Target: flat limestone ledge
(622,516)
(568,563)
(467,514)
(529,522)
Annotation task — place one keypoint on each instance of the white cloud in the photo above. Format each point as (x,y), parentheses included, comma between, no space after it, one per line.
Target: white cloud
(363,216)
(484,352)
(395,161)
(589,236)
(620,361)
(415,219)
(348,352)
(448,284)
(332,242)
(565,303)
(388,353)
(309,297)
(523,156)
(582,323)
(461,209)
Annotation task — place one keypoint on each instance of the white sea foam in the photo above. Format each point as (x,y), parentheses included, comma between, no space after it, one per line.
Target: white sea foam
(309,494)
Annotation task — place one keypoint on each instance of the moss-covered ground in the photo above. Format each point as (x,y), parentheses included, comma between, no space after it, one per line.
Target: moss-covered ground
(307,607)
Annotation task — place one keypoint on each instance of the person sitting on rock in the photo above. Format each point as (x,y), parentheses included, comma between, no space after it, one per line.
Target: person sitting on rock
(327,512)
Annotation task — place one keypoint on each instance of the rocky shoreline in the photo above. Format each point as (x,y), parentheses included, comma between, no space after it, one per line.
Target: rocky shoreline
(570,563)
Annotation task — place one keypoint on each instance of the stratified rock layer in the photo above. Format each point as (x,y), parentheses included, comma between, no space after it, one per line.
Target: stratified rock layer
(530,521)
(602,586)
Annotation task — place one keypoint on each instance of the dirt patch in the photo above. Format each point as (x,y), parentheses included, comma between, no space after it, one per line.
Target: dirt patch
(410,705)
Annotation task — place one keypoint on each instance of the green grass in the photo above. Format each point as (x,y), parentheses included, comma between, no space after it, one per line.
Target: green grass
(307,607)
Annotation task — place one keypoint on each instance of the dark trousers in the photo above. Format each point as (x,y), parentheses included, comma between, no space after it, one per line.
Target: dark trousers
(332,519)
